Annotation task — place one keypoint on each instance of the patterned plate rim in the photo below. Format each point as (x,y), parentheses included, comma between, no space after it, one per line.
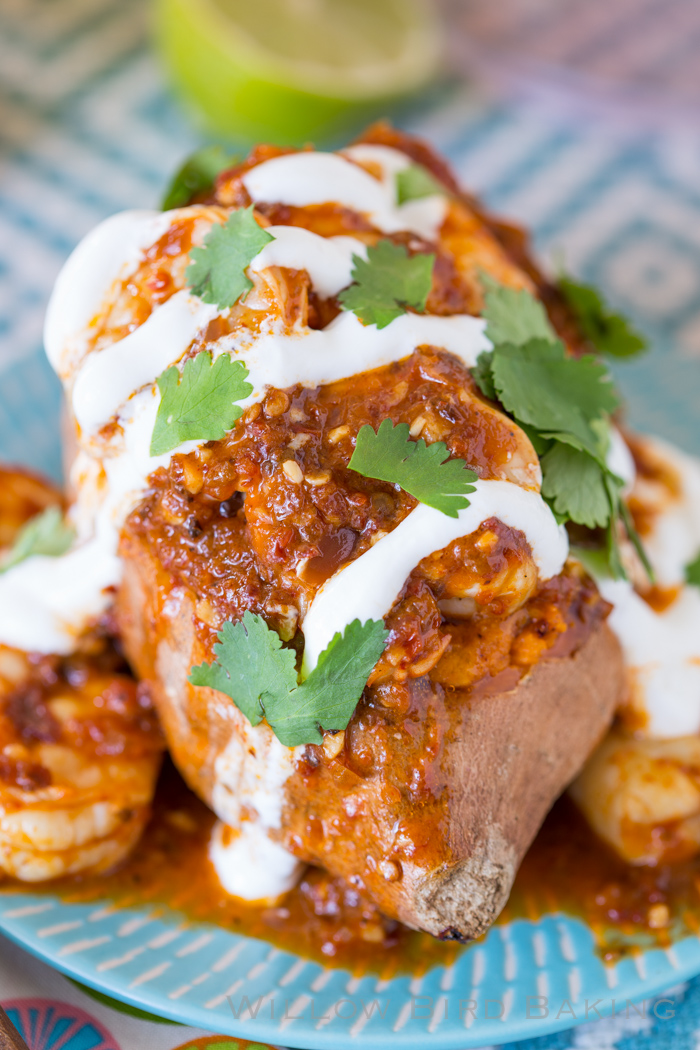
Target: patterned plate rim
(644,977)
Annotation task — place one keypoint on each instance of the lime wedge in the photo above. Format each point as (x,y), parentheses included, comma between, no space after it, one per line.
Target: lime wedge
(292,70)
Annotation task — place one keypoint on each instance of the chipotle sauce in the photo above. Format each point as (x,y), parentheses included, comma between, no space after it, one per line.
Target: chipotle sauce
(568,869)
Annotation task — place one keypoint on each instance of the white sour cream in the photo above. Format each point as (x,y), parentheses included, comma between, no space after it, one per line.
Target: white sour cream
(303,179)
(662,653)
(109,378)
(346,347)
(367,587)
(620,460)
(44,603)
(327,260)
(251,865)
(425,215)
(662,649)
(110,251)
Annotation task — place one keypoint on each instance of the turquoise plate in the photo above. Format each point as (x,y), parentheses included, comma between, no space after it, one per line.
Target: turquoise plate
(199,974)
(524,980)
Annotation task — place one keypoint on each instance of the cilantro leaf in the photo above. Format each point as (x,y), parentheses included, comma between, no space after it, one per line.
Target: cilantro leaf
(196,175)
(253,668)
(563,404)
(387,283)
(217,270)
(330,694)
(200,404)
(483,376)
(415,182)
(574,485)
(47,533)
(514,315)
(558,395)
(692,572)
(608,332)
(390,455)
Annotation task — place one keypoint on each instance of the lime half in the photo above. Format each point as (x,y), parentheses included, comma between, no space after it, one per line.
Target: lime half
(292,70)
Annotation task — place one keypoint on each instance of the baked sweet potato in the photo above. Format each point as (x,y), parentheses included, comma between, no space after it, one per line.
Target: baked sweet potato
(434,793)
(498,674)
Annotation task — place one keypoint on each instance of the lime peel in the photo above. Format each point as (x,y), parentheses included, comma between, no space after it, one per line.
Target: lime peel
(252,82)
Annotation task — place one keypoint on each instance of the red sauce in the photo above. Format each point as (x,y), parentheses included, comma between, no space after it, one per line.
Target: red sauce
(568,869)
(323,918)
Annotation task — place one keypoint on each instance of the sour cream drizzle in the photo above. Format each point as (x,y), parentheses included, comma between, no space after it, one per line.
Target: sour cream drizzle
(662,649)
(109,378)
(303,179)
(112,250)
(117,382)
(367,587)
(45,602)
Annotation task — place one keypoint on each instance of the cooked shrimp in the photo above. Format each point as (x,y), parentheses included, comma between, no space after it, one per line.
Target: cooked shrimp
(79,755)
(80,746)
(22,496)
(643,796)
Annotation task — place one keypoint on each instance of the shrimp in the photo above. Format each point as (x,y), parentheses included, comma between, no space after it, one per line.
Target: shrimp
(80,746)
(643,796)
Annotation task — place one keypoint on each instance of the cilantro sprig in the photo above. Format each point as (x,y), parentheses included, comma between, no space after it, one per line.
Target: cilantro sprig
(564,404)
(47,533)
(575,486)
(387,283)
(561,397)
(425,471)
(254,669)
(196,175)
(415,182)
(513,315)
(609,333)
(217,270)
(692,572)
(200,404)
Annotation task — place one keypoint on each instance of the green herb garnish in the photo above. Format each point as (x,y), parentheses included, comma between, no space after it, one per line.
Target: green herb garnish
(387,283)
(558,395)
(200,404)
(197,175)
(608,332)
(425,471)
(564,405)
(574,486)
(217,270)
(692,572)
(259,675)
(47,534)
(415,182)
(513,315)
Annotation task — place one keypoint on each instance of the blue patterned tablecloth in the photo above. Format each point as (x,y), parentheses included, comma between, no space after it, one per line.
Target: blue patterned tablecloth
(87,128)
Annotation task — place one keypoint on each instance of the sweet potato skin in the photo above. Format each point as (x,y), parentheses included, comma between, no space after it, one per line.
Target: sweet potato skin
(504,759)
(514,754)
(439,853)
